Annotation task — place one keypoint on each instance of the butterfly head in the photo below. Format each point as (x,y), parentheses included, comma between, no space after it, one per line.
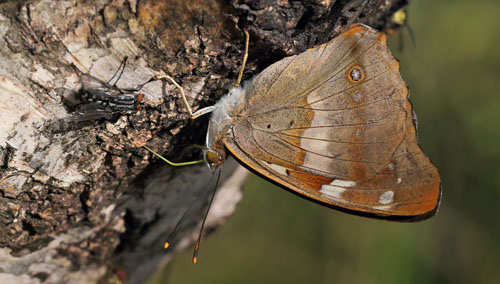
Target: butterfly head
(220,126)
(214,159)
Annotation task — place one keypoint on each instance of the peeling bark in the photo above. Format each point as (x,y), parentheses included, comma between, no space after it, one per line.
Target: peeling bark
(82,201)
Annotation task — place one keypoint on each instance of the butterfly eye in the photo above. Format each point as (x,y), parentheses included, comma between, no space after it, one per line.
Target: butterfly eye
(212,157)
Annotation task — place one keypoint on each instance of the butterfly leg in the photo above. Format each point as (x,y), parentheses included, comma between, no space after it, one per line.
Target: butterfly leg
(172,163)
(194,115)
(245,57)
(203,110)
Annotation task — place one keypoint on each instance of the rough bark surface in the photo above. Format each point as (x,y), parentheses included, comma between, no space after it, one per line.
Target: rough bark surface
(82,201)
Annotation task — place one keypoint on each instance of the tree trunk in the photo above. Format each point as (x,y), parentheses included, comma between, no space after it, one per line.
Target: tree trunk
(81,200)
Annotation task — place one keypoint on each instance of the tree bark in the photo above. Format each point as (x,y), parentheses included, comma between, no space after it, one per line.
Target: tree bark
(81,200)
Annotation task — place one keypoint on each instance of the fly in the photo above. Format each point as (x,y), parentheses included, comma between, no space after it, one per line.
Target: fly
(98,99)
(101,99)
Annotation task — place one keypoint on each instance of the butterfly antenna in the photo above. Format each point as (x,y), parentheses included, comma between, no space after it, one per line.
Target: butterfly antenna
(412,35)
(195,201)
(197,245)
(245,57)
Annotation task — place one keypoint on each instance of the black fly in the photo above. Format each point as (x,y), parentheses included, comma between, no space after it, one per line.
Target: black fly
(100,99)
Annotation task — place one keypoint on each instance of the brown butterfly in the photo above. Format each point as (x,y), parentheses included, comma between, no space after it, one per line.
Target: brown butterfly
(333,124)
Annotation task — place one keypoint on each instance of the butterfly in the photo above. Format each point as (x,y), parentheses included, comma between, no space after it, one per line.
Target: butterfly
(333,124)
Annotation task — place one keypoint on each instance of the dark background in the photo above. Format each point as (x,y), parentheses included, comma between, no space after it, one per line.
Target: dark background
(453,74)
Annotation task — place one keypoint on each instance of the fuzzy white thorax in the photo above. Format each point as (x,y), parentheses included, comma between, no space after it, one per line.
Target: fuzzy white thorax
(225,109)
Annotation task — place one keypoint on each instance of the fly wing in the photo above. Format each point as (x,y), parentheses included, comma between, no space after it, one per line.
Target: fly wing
(92,84)
(90,111)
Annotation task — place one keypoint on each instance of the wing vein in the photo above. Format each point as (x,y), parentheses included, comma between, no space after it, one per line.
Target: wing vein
(335,74)
(336,141)
(308,151)
(311,170)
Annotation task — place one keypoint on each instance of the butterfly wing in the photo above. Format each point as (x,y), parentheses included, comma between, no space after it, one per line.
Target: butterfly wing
(334,124)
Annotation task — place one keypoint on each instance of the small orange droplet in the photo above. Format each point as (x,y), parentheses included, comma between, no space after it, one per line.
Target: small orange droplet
(195,259)
(166,245)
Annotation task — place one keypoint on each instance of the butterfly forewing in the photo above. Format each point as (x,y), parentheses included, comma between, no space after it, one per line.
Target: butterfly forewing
(334,124)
